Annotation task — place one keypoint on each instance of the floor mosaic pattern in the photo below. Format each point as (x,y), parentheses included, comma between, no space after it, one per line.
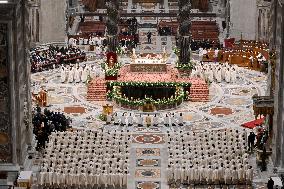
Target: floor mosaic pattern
(148,163)
(147,173)
(147,185)
(148,138)
(147,152)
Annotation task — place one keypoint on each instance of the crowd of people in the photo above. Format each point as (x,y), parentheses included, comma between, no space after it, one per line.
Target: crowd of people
(128,119)
(216,72)
(44,59)
(86,159)
(209,157)
(78,73)
(47,122)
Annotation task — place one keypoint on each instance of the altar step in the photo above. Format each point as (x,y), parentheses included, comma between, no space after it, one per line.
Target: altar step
(97,90)
(199,93)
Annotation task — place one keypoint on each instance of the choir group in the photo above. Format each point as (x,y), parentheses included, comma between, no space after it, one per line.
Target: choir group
(208,157)
(86,159)
(216,72)
(78,73)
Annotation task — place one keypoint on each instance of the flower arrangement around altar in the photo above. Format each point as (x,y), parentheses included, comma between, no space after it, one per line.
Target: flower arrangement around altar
(149,84)
(111,71)
(179,96)
(119,50)
(189,66)
(176,50)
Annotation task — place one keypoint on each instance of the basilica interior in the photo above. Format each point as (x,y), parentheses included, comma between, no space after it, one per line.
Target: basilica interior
(141,94)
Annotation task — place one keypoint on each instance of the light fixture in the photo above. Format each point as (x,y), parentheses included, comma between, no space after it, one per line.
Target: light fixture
(3,1)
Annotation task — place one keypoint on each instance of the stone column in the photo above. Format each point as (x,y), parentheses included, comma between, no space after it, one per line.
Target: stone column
(14,88)
(184,32)
(112,24)
(277,42)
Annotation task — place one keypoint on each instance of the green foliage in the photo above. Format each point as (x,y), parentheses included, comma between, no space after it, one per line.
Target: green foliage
(113,71)
(188,66)
(148,84)
(102,117)
(176,50)
(179,96)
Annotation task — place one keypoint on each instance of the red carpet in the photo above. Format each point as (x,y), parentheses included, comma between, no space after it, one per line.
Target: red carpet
(254,123)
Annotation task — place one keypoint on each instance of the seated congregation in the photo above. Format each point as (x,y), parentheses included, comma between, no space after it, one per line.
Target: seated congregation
(84,158)
(209,157)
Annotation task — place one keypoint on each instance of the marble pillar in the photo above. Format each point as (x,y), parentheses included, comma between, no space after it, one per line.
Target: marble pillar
(277,43)
(15,132)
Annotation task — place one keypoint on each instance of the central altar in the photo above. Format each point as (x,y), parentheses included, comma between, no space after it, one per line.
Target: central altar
(147,84)
(148,67)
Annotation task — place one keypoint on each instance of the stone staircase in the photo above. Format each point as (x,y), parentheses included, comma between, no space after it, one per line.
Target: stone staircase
(97,90)
(199,93)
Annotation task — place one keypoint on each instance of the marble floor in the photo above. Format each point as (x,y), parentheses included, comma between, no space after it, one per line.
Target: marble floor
(230,105)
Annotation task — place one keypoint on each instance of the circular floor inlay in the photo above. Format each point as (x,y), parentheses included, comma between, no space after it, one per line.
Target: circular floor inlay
(148,139)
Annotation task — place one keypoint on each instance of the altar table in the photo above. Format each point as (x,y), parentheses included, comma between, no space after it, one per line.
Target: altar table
(148,68)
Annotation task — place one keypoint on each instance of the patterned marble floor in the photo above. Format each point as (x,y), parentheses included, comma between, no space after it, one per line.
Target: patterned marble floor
(230,105)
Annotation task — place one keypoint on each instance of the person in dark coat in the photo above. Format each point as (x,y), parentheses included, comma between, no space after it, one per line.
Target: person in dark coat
(251,139)
(149,37)
(270,183)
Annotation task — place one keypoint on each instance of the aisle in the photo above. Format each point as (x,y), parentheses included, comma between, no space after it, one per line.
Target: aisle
(148,159)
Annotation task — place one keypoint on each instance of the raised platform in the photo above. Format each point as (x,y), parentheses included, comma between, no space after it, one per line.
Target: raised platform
(198,91)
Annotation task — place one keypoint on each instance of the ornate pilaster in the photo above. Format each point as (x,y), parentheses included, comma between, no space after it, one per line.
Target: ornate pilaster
(184,33)
(15,104)
(6,138)
(112,23)
(277,43)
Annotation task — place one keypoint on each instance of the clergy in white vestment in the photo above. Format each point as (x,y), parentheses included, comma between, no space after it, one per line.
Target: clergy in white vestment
(92,71)
(173,119)
(123,120)
(219,75)
(71,75)
(81,41)
(74,42)
(84,75)
(130,120)
(223,71)
(249,175)
(108,118)
(155,120)
(233,75)
(62,74)
(80,72)
(85,41)
(166,120)
(180,119)
(210,75)
(227,75)
(139,120)
(115,119)
(77,75)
